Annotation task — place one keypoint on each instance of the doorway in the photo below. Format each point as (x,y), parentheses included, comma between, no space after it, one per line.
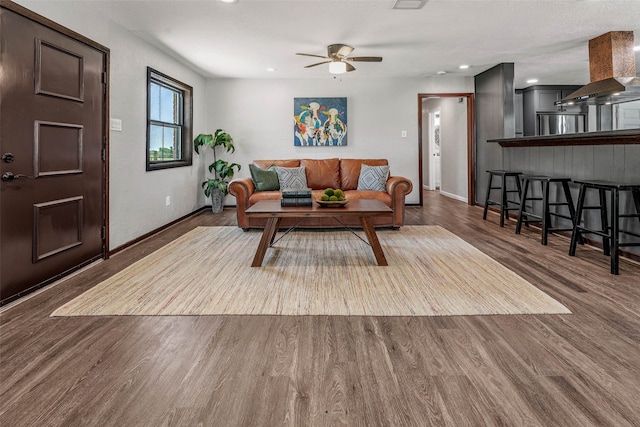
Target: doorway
(53,136)
(460,162)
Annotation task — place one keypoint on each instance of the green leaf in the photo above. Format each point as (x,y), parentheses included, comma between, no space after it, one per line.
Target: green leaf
(222,170)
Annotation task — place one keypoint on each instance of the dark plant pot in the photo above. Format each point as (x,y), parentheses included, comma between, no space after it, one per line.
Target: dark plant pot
(217,200)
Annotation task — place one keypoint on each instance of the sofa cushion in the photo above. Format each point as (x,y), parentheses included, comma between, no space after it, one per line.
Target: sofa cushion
(350,170)
(292,178)
(264,179)
(373,178)
(383,196)
(323,173)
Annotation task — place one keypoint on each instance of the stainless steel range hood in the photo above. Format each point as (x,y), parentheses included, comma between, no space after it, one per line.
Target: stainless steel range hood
(612,69)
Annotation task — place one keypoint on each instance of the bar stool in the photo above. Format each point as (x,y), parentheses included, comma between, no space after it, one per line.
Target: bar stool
(545,217)
(504,201)
(610,233)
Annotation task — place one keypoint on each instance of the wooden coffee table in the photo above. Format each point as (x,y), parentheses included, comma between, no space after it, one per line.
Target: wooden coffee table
(363,209)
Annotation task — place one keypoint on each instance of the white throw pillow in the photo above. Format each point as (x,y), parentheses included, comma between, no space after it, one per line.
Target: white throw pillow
(373,178)
(292,178)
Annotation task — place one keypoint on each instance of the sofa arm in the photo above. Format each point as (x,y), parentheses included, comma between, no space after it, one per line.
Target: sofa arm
(242,189)
(398,187)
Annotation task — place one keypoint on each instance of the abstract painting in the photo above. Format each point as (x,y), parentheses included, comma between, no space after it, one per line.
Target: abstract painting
(319,122)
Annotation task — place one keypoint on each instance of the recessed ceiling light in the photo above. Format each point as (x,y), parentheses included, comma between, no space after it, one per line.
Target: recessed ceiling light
(637,48)
(229,1)
(440,73)
(463,67)
(532,81)
(271,69)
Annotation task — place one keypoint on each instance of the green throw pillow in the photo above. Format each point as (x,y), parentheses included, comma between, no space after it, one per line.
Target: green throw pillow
(264,179)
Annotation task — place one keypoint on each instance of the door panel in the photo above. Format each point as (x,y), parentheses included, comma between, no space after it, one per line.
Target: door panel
(57,148)
(52,122)
(59,72)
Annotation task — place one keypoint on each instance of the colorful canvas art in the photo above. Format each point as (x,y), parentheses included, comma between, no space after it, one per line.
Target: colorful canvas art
(320,121)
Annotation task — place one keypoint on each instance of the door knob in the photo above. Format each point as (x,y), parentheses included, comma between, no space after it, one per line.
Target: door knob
(10,176)
(7,157)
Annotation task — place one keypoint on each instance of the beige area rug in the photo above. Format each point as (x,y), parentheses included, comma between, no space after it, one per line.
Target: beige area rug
(207,271)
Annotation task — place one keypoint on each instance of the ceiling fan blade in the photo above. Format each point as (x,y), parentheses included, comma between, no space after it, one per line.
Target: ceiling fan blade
(338,50)
(319,63)
(365,59)
(350,67)
(308,54)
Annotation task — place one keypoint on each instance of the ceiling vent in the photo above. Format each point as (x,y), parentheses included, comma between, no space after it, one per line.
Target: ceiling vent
(409,4)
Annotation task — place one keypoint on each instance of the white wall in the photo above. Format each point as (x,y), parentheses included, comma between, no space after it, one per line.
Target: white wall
(258,113)
(137,197)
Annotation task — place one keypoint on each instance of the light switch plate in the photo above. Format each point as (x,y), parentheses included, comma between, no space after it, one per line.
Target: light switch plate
(115,124)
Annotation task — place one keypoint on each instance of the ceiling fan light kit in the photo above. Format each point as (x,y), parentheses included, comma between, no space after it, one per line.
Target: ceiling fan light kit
(337,67)
(337,58)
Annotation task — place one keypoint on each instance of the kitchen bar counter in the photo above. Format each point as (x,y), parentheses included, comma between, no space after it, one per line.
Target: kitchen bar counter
(629,136)
(608,156)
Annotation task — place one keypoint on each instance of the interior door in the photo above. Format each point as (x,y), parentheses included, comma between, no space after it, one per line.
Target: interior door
(52,142)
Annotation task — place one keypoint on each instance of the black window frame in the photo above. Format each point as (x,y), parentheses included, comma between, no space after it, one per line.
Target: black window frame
(186,119)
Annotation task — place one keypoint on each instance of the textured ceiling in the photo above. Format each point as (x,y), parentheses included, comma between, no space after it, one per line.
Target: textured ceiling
(546,39)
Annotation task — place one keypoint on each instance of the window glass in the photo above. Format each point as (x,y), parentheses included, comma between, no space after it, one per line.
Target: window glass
(169,124)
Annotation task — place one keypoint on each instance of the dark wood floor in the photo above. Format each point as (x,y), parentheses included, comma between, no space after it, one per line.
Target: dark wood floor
(553,370)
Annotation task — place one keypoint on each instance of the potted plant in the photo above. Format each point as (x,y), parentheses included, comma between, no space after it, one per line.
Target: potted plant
(222,171)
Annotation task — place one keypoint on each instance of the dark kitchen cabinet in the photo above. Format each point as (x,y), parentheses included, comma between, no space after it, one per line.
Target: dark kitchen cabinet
(541,99)
(518,112)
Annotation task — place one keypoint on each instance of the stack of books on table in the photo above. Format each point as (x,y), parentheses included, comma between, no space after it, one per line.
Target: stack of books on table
(296,197)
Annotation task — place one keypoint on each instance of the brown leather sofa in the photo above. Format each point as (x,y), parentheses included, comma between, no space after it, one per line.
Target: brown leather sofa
(322,174)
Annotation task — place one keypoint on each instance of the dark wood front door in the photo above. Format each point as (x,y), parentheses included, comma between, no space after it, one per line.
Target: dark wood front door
(52,142)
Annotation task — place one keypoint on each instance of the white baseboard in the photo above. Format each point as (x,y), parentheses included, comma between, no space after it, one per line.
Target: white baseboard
(453,196)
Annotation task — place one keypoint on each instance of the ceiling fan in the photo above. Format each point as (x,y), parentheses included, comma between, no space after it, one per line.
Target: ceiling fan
(338,55)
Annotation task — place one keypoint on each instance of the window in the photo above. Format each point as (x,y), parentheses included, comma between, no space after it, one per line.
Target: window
(169,122)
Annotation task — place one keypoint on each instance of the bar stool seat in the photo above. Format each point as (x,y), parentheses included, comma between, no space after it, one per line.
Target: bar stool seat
(504,202)
(544,218)
(610,233)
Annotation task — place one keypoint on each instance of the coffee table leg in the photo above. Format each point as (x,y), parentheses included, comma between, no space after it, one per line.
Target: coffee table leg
(370,231)
(273,236)
(269,232)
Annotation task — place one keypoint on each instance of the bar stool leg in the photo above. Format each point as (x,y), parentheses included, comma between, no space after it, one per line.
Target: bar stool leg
(636,201)
(546,218)
(504,201)
(615,228)
(519,187)
(523,200)
(575,235)
(604,220)
(572,209)
(486,200)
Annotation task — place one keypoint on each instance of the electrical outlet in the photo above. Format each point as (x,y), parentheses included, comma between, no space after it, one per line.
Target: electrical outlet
(168,200)
(404,134)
